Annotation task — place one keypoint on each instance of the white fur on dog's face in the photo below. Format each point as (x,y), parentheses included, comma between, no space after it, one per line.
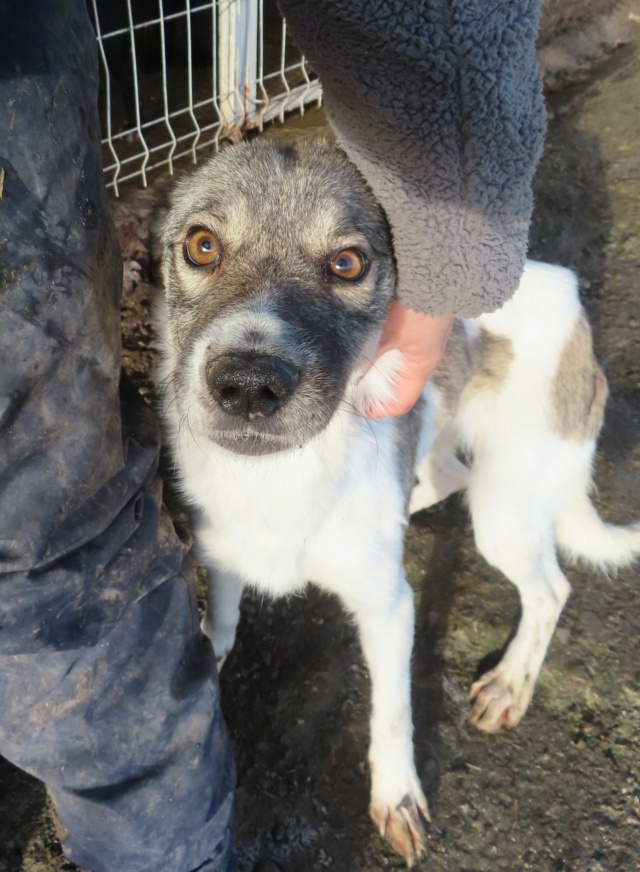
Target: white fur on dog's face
(280,216)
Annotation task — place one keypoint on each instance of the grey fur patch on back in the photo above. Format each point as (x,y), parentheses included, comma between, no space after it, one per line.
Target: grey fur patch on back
(579,391)
(471,365)
(492,357)
(455,370)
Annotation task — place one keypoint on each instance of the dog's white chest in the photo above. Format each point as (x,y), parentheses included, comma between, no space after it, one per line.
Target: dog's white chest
(262,534)
(261,514)
(281,520)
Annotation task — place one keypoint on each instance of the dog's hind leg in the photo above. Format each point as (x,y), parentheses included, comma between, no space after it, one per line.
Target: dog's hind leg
(398,806)
(224,592)
(439,474)
(515,534)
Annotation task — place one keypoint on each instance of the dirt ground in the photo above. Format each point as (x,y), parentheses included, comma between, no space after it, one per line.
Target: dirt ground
(561,793)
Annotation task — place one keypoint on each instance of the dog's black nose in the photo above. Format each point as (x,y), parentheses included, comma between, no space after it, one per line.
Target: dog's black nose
(251,385)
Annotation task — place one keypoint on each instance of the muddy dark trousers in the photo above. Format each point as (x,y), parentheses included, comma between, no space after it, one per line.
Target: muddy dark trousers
(108,690)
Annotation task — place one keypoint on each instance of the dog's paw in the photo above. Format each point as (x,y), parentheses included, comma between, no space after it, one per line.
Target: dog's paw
(499,699)
(376,387)
(401,823)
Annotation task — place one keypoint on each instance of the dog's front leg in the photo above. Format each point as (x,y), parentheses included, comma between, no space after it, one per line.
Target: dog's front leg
(224,592)
(398,805)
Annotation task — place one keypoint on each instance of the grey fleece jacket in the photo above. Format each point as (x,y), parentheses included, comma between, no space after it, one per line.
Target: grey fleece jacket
(439,104)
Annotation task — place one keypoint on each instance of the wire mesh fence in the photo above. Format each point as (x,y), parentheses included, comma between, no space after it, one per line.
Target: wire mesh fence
(178,76)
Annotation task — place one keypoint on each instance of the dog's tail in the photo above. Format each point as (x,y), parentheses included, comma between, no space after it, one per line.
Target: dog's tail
(582,534)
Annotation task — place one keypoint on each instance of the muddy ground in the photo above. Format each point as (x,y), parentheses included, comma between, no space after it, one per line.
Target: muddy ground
(561,793)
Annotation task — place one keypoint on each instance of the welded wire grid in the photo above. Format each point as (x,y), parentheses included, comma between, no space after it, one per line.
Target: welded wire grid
(178,76)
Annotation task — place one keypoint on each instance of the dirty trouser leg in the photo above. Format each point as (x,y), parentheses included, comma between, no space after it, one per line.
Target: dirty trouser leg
(107,687)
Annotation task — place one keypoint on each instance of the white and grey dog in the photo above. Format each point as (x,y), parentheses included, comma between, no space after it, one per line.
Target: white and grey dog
(278,270)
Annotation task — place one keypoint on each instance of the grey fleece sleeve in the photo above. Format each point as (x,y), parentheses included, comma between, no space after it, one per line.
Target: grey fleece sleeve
(439,104)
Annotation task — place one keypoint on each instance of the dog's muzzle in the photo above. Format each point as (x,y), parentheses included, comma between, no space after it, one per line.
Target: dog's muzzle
(251,385)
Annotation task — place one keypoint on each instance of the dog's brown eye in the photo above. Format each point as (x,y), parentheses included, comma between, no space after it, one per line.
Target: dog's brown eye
(349,264)
(202,247)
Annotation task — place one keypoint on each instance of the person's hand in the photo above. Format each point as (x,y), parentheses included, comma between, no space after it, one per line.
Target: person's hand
(422,340)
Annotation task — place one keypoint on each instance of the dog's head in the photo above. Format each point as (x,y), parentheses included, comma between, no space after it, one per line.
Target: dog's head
(278,271)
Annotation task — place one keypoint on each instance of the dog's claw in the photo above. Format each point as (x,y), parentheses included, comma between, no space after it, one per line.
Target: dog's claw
(403,827)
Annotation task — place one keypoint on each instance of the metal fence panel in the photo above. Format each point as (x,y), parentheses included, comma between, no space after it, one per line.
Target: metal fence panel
(177,76)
